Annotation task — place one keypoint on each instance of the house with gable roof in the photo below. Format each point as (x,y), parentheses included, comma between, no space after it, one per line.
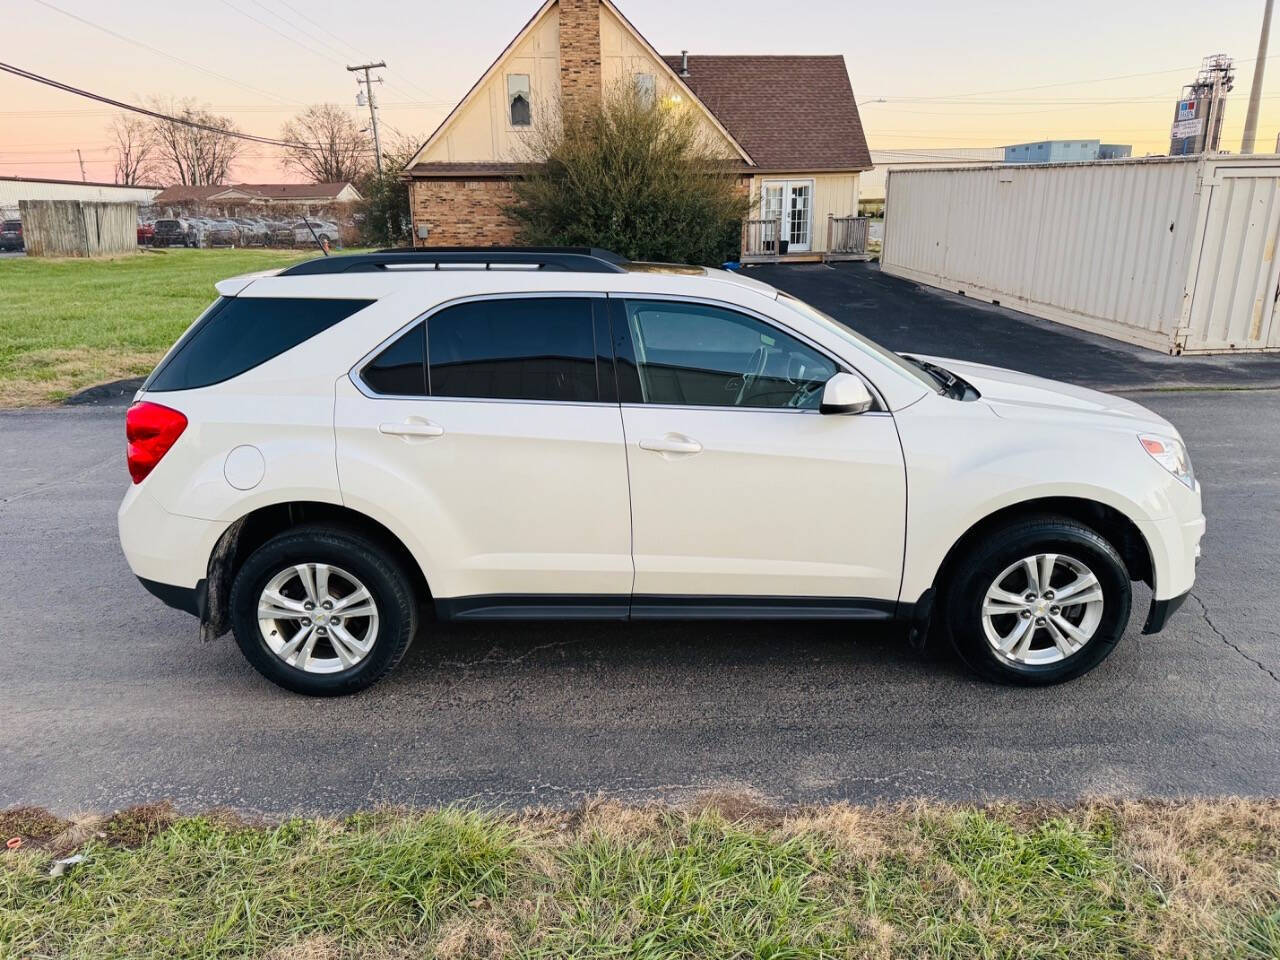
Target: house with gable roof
(789,124)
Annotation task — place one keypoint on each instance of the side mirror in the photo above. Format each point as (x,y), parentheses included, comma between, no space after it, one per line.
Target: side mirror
(845,393)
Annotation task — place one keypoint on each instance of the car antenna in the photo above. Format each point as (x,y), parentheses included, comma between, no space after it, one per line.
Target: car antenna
(306,218)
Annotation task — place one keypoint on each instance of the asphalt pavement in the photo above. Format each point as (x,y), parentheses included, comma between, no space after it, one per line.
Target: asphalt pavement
(907,316)
(107,697)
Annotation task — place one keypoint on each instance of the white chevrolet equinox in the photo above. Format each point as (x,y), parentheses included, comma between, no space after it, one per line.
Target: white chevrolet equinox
(338,450)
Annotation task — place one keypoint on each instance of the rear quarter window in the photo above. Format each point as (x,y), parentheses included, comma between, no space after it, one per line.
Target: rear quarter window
(237,334)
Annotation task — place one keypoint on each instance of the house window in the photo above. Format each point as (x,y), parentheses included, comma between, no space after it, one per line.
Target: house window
(646,88)
(518,102)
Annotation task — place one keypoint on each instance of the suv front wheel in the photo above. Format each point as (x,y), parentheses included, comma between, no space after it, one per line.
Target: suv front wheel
(322,611)
(1039,601)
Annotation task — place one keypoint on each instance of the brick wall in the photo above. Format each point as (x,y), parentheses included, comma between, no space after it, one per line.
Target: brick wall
(580,76)
(462,213)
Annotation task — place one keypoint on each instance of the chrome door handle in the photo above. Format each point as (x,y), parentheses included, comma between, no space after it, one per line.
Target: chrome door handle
(672,443)
(412,428)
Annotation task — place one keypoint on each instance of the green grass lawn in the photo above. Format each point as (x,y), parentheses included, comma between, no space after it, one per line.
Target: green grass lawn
(68,324)
(722,879)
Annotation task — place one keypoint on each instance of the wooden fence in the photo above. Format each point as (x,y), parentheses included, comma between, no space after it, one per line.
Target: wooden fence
(75,228)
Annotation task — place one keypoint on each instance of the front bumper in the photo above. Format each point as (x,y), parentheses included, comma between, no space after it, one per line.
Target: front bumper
(1161,611)
(1175,552)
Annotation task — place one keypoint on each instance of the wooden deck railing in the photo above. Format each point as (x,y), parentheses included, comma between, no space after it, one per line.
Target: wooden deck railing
(760,239)
(846,237)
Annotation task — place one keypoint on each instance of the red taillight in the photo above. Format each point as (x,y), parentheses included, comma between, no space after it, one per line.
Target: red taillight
(151,430)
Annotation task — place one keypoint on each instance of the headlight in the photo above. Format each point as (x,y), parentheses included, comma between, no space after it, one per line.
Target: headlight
(1171,454)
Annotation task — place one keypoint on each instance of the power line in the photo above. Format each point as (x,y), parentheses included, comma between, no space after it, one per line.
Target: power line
(67,88)
(1073,83)
(263,23)
(362,55)
(163,53)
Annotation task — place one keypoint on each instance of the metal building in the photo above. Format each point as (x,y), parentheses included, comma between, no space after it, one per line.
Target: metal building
(921,158)
(1175,254)
(1066,151)
(15,189)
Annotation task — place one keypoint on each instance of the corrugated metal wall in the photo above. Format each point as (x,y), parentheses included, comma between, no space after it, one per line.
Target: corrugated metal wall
(1174,254)
(1235,283)
(12,190)
(68,228)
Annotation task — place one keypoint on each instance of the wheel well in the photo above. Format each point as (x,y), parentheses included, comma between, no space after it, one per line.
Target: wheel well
(254,529)
(1121,532)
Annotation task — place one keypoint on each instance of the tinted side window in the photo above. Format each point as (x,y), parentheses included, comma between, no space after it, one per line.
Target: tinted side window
(239,333)
(514,349)
(698,355)
(401,369)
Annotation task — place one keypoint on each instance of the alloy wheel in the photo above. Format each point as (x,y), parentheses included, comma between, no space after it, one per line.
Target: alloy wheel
(1042,609)
(317,618)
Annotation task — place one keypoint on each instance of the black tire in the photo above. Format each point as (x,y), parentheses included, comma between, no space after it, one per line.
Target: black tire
(964,594)
(383,575)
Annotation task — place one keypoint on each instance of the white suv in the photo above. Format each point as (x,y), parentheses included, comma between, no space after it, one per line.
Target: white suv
(336,450)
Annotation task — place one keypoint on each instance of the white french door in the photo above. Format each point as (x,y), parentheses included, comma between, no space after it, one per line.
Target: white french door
(792,202)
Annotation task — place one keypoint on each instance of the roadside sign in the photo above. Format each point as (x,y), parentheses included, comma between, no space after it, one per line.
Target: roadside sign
(1185,129)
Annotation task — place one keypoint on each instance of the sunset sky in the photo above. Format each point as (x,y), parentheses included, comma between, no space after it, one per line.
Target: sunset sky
(953,74)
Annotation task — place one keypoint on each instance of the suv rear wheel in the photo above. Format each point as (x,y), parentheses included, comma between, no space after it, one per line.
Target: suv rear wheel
(322,611)
(1040,601)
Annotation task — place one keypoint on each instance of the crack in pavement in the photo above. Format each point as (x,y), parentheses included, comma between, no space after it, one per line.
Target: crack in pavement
(54,484)
(1204,612)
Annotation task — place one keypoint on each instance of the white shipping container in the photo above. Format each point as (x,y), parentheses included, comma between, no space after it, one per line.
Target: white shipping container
(1176,254)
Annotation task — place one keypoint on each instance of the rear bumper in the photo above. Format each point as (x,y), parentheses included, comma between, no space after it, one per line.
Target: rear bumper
(164,548)
(192,600)
(1161,611)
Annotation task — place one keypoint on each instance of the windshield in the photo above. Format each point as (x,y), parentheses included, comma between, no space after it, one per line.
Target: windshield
(913,370)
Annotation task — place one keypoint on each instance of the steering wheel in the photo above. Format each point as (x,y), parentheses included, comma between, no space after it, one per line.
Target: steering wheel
(755,367)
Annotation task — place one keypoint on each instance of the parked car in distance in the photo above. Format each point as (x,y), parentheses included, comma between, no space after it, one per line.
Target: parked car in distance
(221,233)
(11,235)
(324,232)
(281,233)
(146,231)
(174,232)
(253,233)
(334,449)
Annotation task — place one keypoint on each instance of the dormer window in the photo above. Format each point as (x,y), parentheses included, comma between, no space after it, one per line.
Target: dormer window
(646,89)
(520,109)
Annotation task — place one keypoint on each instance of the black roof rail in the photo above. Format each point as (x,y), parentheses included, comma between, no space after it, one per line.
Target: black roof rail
(560,259)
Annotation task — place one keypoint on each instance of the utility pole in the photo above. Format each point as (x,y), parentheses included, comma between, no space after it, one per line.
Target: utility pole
(1255,94)
(83,177)
(373,106)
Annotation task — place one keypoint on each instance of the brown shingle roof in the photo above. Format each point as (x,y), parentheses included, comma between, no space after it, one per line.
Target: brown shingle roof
(790,113)
(180,193)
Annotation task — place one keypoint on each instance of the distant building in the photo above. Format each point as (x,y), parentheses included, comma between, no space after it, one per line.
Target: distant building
(260,193)
(1066,151)
(1115,151)
(14,189)
(922,158)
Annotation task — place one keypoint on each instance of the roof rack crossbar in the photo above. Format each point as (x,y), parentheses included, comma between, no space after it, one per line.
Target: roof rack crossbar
(558,259)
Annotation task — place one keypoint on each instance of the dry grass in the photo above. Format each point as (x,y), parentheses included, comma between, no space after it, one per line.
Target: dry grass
(727,876)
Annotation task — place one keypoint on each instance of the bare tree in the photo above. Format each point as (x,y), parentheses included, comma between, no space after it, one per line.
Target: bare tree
(331,145)
(190,155)
(135,149)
